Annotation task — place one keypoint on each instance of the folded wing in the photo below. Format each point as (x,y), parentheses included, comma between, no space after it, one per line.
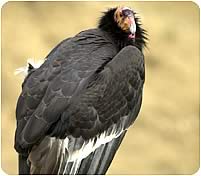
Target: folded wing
(91,128)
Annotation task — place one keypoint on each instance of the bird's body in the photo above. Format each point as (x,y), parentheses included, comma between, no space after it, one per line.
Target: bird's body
(75,108)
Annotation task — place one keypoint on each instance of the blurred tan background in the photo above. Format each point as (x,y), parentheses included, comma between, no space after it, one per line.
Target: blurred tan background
(165,137)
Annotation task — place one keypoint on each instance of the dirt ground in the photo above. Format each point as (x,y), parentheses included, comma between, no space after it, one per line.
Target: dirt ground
(165,137)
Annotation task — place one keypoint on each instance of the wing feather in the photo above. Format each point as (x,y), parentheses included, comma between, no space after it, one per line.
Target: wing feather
(97,118)
(87,106)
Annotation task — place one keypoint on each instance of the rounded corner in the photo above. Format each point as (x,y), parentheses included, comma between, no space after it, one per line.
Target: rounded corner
(5,4)
(196,170)
(3,172)
(196,4)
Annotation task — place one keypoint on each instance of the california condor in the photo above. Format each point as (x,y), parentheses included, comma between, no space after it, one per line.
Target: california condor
(74,110)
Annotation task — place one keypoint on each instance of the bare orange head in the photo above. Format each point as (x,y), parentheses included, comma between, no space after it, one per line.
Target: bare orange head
(125,19)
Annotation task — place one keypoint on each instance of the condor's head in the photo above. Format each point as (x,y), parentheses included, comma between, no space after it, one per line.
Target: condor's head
(124,26)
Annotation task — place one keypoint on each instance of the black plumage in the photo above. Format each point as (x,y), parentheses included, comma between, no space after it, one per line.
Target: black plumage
(88,88)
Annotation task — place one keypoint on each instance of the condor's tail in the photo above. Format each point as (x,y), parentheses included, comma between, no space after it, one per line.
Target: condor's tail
(51,157)
(98,162)
(23,165)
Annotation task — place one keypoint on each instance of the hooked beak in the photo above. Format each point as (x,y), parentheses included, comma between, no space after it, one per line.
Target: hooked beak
(125,19)
(132,27)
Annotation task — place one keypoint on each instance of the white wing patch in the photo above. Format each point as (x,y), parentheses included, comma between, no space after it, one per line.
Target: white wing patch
(24,70)
(88,147)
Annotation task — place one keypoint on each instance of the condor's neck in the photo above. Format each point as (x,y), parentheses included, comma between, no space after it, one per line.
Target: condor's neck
(118,38)
(121,43)
(109,26)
